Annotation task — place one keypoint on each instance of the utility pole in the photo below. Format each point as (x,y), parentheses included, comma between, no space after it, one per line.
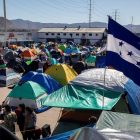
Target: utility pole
(131,24)
(90,15)
(5,22)
(115,15)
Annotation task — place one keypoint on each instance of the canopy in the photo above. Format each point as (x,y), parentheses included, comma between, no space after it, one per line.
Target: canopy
(27,54)
(62,73)
(79,97)
(118,121)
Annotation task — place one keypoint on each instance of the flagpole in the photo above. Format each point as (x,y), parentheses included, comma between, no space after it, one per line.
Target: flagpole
(104,88)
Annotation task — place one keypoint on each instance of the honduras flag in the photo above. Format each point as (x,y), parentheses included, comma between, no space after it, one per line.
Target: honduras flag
(123,51)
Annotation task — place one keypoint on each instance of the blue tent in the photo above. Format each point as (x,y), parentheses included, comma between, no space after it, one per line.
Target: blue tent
(133,96)
(90,48)
(100,63)
(64,136)
(19,52)
(47,82)
(68,50)
(71,47)
(45,50)
(27,76)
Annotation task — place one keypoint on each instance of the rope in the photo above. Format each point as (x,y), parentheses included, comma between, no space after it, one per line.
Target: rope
(51,122)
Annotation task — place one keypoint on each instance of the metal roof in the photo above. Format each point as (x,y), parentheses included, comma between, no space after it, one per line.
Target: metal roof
(72,30)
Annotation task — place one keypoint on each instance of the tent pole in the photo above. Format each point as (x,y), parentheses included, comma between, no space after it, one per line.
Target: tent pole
(104,88)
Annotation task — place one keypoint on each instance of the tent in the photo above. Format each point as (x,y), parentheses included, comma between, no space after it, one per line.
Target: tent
(62,47)
(35,65)
(28,62)
(79,66)
(27,76)
(10,55)
(86,91)
(28,55)
(62,73)
(68,50)
(47,82)
(55,54)
(45,50)
(90,60)
(19,52)
(8,77)
(53,61)
(100,62)
(17,65)
(118,121)
(84,49)
(33,51)
(4,51)
(13,47)
(61,52)
(2,63)
(29,93)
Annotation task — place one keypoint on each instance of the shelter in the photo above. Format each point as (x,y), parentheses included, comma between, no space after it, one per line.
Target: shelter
(55,54)
(13,47)
(61,52)
(45,50)
(62,47)
(28,62)
(53,61)
(17,65)
(29,93)
(19,52)
(84,49)
(2,63)
(91,60)
(4,51)
(8,77)
(62,73)
(68,50)
(100,62)
(28,55)
(10,55)
(118,121)
(47,82)
(27,76)
(33,51)
(79,66)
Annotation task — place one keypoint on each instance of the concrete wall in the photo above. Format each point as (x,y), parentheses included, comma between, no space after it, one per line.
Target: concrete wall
(20,36)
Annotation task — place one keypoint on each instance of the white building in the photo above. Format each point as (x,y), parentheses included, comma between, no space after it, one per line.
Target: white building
(77,35)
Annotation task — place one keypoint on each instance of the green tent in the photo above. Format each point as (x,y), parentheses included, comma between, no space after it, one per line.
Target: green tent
(48,54)
(28,62)
(62,47)
(119,121)
(29,93)
(3,66)
(85,91)
(75,50)
(53,61)
(90,59)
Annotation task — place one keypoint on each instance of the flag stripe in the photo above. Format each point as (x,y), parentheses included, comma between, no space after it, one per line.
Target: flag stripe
(124,49)
(123,34)
(113,59)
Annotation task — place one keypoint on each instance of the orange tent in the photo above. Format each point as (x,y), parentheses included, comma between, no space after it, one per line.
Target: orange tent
(13,47)
(27,54)
(41,53)
(33,51)
(59,51)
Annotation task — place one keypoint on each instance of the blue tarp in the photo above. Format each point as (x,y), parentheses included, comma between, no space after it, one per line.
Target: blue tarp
(64,136)
(27,76)
(42,109)
(100,63)
(133,96)
(47,82)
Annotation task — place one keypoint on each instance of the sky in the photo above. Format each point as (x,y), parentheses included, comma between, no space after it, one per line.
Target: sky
(72,11)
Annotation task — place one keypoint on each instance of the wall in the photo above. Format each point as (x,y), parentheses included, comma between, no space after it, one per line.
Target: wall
(20,36)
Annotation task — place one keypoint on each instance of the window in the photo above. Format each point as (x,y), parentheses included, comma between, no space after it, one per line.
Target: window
(83,34)
(58,33)
(47,34)
(41,38)
(90,34)
(71,35)
(64,34)
(77,34)
(52,33)
(97,34)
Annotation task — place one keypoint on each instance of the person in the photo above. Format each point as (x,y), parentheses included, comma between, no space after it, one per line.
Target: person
(80,57)
(30,122)
(70,60)
(21,118)
(9,119)
(63,58)
(92,120)
(3,47)
(48,61)
(1,113)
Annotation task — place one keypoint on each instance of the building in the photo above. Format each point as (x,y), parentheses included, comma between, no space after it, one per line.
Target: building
(77,35)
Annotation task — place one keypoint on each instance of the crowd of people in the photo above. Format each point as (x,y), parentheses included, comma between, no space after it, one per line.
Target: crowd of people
(24,116)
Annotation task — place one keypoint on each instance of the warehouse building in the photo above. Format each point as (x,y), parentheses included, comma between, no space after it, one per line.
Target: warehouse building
(77,35)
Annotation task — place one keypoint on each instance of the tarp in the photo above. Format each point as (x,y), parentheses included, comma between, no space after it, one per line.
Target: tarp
(133,96)
(64,136)
(62,73)
(100,63)
(47,82)
(79,97)
(119,121)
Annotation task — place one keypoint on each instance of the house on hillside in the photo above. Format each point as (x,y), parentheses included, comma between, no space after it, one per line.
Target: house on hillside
(77,35)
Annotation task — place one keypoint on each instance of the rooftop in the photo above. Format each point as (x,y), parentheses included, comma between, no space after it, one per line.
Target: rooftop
(72,30)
